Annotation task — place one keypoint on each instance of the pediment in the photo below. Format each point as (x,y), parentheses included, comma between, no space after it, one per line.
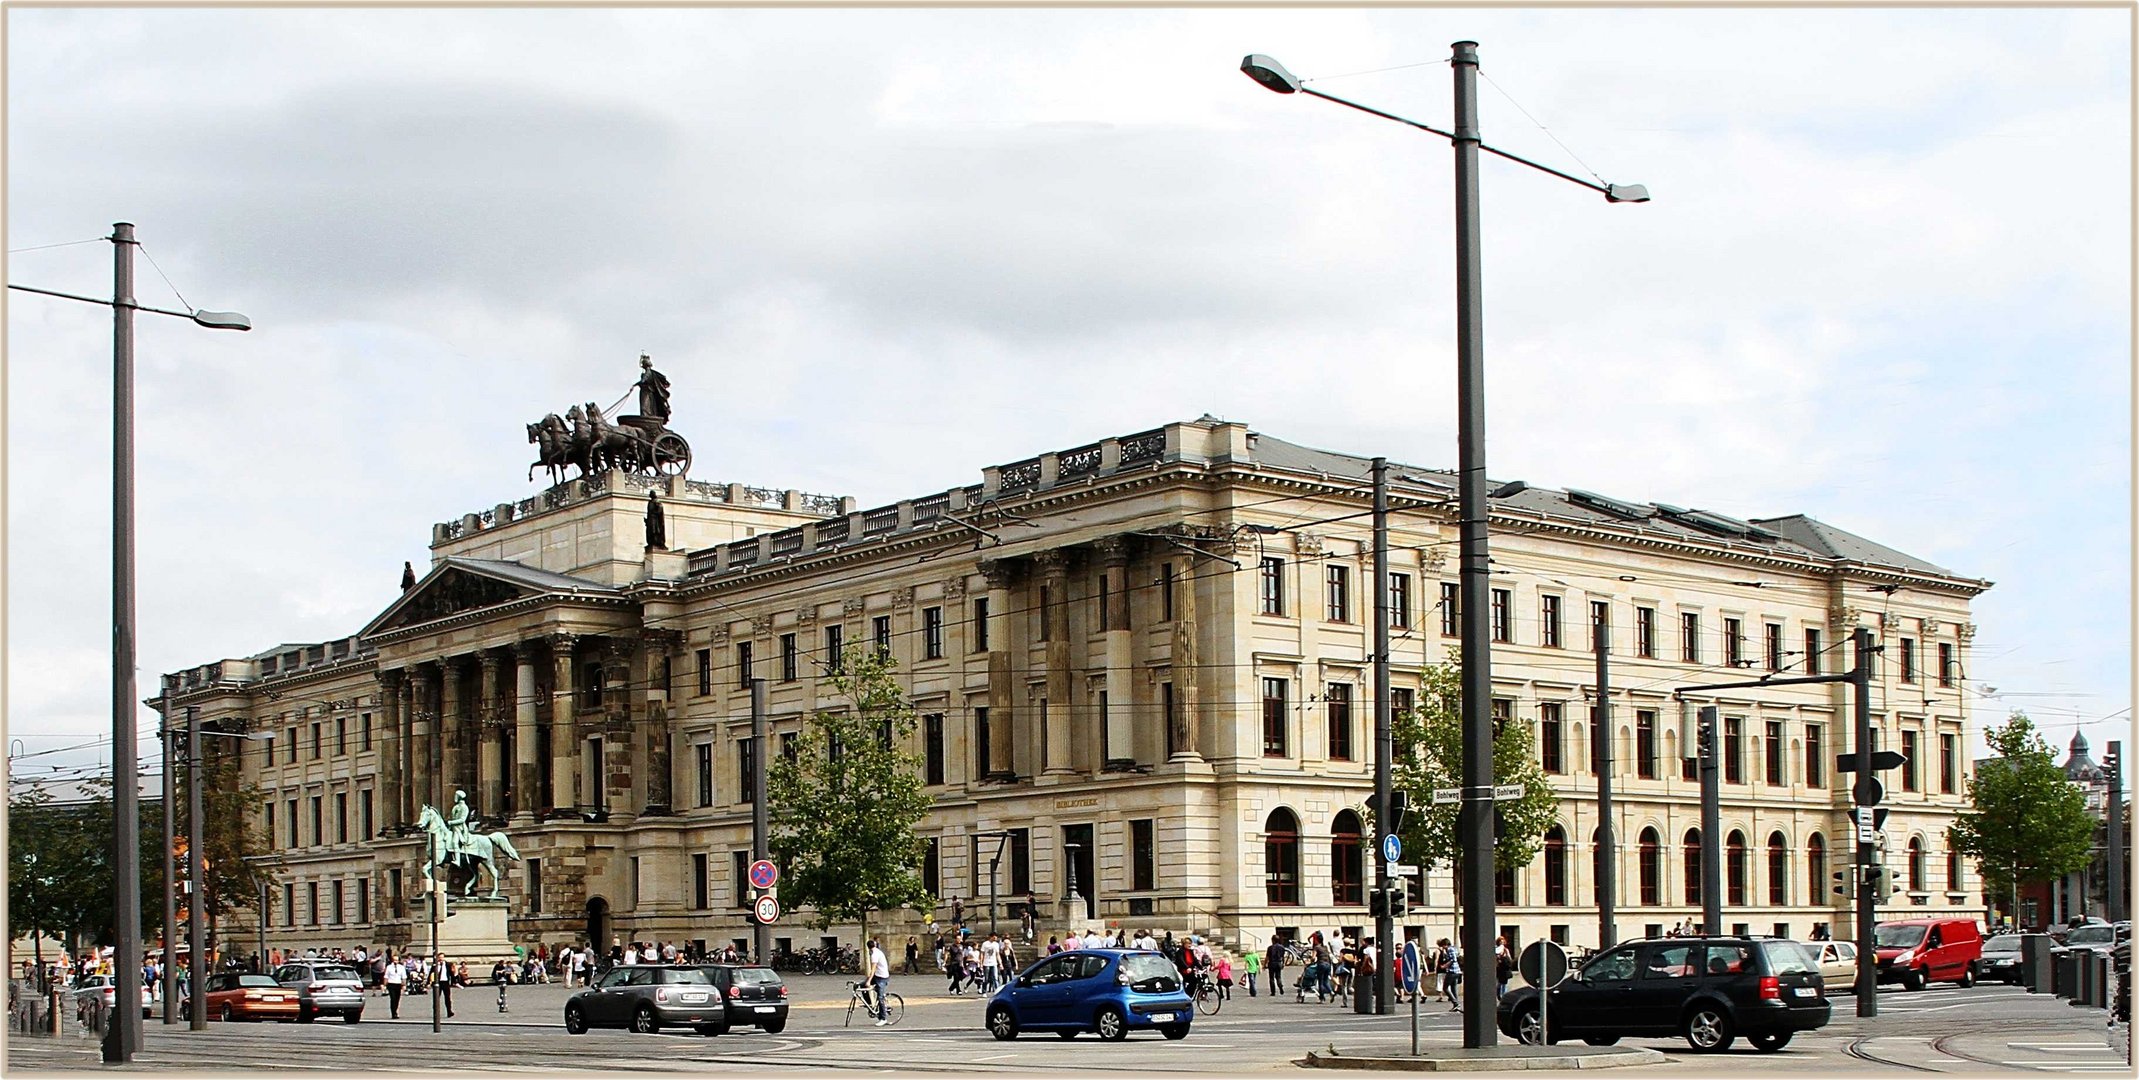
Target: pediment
(458,586)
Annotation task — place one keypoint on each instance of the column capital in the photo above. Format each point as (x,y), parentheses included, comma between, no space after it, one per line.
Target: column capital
(561,642)
(389,680)
(1001,573)
(1053,563)
(489,659)
(619,646)
(526,651)
(1113,550)
(662,640)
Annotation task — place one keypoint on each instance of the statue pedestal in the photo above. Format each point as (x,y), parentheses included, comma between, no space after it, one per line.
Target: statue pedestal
(471,930)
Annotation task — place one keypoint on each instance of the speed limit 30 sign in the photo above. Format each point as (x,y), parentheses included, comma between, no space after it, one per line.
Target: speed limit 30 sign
(767,909)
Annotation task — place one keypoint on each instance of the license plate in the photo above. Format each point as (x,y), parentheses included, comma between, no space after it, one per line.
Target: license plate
(694,997)
(1804,991)
(1162,1018)
(765,1008)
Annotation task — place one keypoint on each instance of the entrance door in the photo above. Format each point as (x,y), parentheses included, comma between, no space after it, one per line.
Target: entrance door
(1077,852)
(598,926)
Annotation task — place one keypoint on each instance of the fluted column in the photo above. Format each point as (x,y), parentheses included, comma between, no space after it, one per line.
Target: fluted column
(490,733)
(564,727)
(1002,683)
(412,749)
(430,714)
(618,759)
(1054,573)
(527,776)
(660,778)
(452,740)
(1187,676)
(1120,732)
(391,738)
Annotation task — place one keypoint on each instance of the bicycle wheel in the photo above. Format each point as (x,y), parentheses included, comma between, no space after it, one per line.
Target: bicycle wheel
(894,1008)
(1207,1001)
(852,1001)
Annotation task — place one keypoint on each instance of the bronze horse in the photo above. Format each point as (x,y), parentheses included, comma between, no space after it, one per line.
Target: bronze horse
(554,452)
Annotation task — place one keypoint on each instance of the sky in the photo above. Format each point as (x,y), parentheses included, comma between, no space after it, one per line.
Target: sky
(1885,281)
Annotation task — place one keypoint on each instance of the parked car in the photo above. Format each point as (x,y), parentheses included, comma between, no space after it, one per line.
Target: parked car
(324,988)
(1708,990)
(1109,991)
(2000,959)
(105,987)
(754,996)
(1837,961)
(236,995)
(2094,937)
(647,998)
(1916,952)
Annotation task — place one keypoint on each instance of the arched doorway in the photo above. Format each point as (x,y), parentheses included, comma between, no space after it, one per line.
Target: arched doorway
(598,925)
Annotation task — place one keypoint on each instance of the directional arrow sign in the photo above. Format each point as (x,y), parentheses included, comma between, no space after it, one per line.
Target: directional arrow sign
(1882,760)
(1445,795)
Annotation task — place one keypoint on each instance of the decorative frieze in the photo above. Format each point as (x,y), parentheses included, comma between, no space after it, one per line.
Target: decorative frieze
(902,597)
(851,606)
(954,588)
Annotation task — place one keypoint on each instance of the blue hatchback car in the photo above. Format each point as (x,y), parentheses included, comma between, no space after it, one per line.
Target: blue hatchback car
(1110,991)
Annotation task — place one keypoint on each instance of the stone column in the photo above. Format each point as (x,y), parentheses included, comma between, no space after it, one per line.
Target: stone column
(527,776)
(618,760)
(1120,740)
(452,740)
(1002,682)
(564,727)
(413,750)
(390,720)
(1187,675)
(490,730)
(1054,573)
(431,740)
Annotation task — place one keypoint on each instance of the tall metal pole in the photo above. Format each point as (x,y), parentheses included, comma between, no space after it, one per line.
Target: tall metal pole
(170,869)
(1475,821)
(196,881)
(1607,847)
(124,1037)
(760,838)
(263,924)
(1711,822)
(439,973)
(1860,681)
(1384,744)
(2116,833)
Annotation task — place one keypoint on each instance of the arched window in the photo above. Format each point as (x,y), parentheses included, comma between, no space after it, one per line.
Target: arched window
(1347,860)
(1953,871)
(1652,869)
(1281,857)
(1734,869)
(1778,871)
(1693,866)
(1916,864)
(1815,868)
(1556,867)
(1596,867)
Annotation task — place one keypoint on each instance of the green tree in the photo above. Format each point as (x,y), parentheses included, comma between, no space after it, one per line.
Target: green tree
(58,868)
(1429,754)
(845,803)
(2028,823)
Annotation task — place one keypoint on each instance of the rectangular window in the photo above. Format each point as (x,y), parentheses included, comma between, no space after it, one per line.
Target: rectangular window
(534,885)
(319,834)
(1690,636)
(1550,738)
(1274,716)
(980,624)
(1020,861)
(1600,622)
(363,900)
(835,645)
(315,740)
(980,740)
(700,875)
(1339,581)
(341,735)
(1812,651)
(1645,743)
(1815,756)
(932,866)
(633,885)
(1044,612)
(363,803)
(1774,644)
(1340,721)
(1143,856)
(739,877)
(1909,766)
(1733,750)
(1400,601)
(932,633)
(746,763)
(1945,663)
(1451,609)
(295,839)
(1273,587)
(1166,717)
(1501,630)
(932,748)
(364,732)
(1165,593)
(790,658)
(1949,765)
(880,635)
(1549,621)
(290,758)
(1774,753)
(1734,642)
(1908,662)
(704,753)
(341,817)
(1401,700)
(705,672)
(742,665)
(334,906)
(312,902)
(270,823)
(289,904)
(1645,632)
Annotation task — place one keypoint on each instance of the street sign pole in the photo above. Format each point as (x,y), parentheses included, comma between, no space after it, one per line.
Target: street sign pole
(1860,680)
(760,846)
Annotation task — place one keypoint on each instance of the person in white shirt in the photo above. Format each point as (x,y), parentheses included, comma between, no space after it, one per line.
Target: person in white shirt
(631,954)
(991,959)
(879,981)
(396,980)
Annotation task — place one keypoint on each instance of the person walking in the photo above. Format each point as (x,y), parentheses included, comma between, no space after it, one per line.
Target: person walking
(1451,974)
(396,981)
(442,977)
(1503,966)
(880,982)
(1251,969)
(913,955)
(1277,966)
(1225,977)
(991,959)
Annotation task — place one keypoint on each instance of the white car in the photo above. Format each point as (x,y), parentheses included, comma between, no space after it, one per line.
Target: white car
(1838,963)
(106,988)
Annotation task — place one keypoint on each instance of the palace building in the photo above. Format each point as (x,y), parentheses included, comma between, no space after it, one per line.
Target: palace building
(1142,667)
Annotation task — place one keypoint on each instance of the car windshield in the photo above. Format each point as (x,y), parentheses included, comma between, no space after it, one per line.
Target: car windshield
(2094,934)
(1789,958)
(756,976)
(2003,943)
(1892,936)
(334,974)
(258,980)
(1150,971)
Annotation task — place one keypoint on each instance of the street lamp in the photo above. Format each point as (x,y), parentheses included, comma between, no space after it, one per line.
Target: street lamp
(124,1037)
(1475,821)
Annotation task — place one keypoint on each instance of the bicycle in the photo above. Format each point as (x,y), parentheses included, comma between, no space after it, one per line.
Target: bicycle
(1204,992)
(863,995)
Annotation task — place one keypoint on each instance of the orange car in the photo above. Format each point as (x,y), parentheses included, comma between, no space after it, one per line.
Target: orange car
(235,996)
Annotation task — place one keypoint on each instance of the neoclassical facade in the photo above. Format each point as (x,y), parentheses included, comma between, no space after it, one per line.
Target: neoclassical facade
(1142,668)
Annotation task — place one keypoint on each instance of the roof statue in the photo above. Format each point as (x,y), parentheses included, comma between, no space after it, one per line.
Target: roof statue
(640,442)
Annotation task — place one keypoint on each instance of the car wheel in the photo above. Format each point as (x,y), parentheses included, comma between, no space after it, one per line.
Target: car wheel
(1175,1031)
(575,1021)
(1968,977)
(1768,1044)
(1601,1040)
(1529,1027)
(773,1027)
(1112,1025)
(1708,1029)
(643,1021)
(224,1015)
(1912,980)
(1001,1024)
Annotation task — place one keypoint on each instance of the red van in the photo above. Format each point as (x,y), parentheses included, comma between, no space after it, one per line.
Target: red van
(1913,952)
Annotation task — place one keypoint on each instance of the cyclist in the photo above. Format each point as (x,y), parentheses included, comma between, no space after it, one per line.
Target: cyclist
(879,982)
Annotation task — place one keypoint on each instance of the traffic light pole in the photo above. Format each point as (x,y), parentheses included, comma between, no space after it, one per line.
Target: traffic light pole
(1385,823)
(1711,825)
(2115,768)
(760,828)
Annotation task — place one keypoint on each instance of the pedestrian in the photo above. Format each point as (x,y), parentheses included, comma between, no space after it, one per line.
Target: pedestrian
(991,958)
(913,955)
(880,982)
(1251,968)
(1451,974)
(1054,944)
(954,966)
(1277,966)
(1225,977)
(396,981)
(442,977)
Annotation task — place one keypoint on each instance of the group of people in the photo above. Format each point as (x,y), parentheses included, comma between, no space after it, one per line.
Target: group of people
(1333,966)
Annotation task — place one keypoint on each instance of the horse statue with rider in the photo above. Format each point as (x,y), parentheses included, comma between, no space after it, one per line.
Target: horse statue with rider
(639,442)
(451,845)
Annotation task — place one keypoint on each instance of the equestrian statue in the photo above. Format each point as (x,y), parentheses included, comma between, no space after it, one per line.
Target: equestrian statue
(451,845)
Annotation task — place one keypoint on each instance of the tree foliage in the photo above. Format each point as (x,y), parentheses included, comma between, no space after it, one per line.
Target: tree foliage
(2028,823)
(1428,742)
(844,805)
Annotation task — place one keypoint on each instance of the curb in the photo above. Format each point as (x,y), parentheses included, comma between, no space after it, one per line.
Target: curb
(1494,1059)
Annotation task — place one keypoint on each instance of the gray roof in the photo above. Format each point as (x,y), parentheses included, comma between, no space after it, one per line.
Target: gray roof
(1841,544)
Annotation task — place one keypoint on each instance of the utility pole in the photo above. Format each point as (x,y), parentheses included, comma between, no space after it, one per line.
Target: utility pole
(760,841)
(196,857)
(1607,848)
(1385,823)
(2116,832)
(124,1038)
(1865,793)
(1711,823)
(170,868)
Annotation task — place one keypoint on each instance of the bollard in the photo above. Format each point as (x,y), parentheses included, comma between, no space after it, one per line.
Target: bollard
(52,1021)
(2082,984)
(2035,962)
(501,995)
(2100,1000)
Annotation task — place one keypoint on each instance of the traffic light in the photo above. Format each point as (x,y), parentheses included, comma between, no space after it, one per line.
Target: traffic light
(1377,903)
(1399,899)
(1844,884)
(1880,881)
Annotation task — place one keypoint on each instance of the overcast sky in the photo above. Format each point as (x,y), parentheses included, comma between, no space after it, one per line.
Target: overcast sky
(1885,281)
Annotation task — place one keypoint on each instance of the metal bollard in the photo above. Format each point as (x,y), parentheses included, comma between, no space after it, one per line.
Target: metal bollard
(2035,963)
(2100,998)
(2082,984)
(501,995)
